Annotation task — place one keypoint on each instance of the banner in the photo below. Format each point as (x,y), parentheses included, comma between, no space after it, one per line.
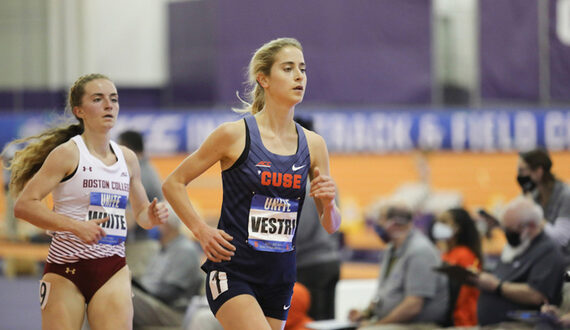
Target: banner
(462,130)
(351,131)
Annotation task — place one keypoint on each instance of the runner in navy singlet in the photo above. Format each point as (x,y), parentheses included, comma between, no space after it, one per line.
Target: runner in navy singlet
(91,179)
(266,160)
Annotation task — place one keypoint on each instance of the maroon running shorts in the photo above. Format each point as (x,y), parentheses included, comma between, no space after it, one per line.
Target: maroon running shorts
(88,275)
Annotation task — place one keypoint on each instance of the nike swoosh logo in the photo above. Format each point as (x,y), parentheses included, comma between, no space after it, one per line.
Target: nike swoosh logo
(295,168)
(285,307)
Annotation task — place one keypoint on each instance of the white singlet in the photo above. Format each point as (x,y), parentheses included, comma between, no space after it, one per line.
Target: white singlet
(94,191)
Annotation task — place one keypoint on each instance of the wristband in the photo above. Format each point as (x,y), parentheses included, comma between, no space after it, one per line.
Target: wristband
(499,289)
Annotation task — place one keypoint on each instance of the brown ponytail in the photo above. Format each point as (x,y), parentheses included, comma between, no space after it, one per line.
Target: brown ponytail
(29,160)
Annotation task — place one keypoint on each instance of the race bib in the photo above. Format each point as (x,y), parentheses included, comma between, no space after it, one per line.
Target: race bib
(45,287)
(272,223)
(104,205)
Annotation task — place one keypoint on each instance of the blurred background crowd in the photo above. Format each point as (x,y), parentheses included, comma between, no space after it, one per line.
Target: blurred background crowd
(447,110)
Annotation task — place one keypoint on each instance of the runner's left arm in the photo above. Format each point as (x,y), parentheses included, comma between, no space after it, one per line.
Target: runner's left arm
(323,187)
(147,214)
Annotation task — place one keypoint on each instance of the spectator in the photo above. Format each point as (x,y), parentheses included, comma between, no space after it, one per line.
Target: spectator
(409,290)
(171,279)
(458,238)
(318,257)
(149,177)
(529,271)
(537,181)
(11,224)
(140,245)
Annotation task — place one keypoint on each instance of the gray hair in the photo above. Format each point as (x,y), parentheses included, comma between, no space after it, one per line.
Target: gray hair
(525,210)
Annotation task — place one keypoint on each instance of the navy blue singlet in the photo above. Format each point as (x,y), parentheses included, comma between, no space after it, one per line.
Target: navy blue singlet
(263,197)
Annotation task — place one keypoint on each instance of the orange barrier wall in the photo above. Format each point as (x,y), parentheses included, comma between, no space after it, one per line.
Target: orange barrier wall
(482,178)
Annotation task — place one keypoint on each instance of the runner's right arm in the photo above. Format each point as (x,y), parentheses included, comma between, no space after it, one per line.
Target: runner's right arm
(29,206)
(222,145)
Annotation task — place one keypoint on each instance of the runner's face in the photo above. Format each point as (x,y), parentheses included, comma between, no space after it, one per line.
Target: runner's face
(99,105)
(287,80)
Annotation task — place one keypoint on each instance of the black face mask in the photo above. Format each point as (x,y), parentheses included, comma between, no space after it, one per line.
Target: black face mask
(513,238)
(526,183)
(382,233)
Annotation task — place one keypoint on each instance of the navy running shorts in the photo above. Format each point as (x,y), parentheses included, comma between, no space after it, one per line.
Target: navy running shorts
(274,300)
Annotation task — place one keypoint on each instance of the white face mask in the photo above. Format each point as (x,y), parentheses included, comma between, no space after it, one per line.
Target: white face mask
(441,231)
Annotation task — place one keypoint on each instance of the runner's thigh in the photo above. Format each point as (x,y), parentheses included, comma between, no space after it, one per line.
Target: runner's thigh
(242,312)
(112,307)
(64,304)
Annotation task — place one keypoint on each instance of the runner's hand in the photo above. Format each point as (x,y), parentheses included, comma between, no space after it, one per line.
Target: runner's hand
(322,187)
(215,244)
(157,212)
(90,232)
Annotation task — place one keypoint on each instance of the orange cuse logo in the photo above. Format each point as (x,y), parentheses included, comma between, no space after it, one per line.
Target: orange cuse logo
(276,179)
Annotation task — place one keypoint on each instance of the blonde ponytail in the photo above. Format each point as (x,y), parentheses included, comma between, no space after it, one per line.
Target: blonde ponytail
(261,62)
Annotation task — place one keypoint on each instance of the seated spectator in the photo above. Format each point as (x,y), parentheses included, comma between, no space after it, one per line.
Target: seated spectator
(171,279)
(529,271)
(458,238)
(200,317)
(149,176)
(318,261)
(300,304)
(318,256)
(409,290)
(140,244)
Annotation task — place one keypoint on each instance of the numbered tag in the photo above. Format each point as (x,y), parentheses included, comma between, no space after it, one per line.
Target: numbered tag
(218,283)
(44,293)
(104,205)
(272,223)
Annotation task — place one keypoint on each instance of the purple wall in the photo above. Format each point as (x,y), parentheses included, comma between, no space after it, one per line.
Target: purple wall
(366,52)
(32,99)
(559,61)
(192,52)
(509,50)
(370,51)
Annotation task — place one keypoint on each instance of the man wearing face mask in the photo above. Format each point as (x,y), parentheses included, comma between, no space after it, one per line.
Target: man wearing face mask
(553,195)
(529,271)
(409,290)
(171,280)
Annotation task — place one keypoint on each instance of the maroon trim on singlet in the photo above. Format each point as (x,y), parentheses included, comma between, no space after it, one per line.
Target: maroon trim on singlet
(88,275)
